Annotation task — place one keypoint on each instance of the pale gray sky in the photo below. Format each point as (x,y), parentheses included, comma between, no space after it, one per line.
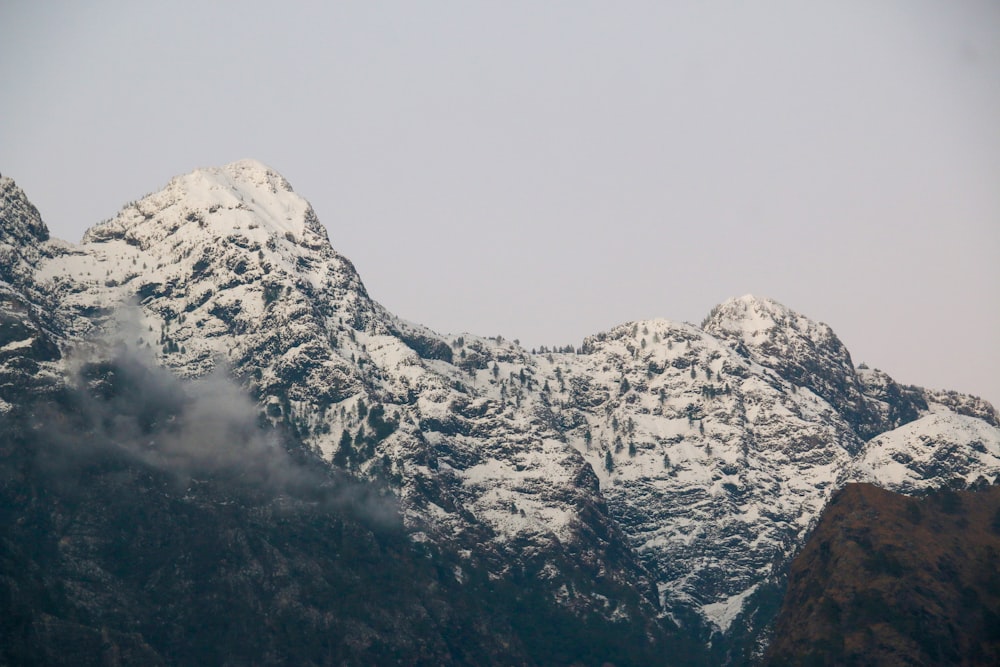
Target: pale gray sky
(546,170)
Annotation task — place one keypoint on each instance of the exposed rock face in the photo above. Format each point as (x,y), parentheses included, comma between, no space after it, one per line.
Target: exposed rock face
(886,579)
(155,520)
(806,353)
(939,449)
(663,474)
(29,323)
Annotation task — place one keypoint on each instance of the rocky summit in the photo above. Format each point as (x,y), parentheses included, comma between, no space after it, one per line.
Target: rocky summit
(204,409)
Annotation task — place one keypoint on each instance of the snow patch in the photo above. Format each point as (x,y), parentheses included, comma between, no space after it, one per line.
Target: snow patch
(722,614)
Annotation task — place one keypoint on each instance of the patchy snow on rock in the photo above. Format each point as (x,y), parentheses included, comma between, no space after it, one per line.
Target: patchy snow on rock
(722,614)
(703,455)
(931,451)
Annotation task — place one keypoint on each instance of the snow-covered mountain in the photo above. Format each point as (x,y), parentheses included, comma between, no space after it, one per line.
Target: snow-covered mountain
(662,471)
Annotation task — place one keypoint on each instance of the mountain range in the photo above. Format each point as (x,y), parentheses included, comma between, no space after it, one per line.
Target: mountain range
(206,363)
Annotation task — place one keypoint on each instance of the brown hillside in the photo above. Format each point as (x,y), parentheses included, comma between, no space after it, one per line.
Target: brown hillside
(887,579)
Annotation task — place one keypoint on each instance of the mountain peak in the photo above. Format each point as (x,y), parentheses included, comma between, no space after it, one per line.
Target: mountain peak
(216,201)
(803,351)
(247,174)
(15,207)
(750,315)
(754,321)
(251,166)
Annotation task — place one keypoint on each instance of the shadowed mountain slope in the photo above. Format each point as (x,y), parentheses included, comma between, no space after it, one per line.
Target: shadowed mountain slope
(890,580)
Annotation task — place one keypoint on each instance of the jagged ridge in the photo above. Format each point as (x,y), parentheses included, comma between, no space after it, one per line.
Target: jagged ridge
(690,461)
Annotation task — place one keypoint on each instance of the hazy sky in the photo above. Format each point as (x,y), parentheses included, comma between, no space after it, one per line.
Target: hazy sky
(546,170)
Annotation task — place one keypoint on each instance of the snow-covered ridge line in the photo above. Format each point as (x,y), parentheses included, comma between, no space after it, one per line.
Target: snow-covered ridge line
(660,456)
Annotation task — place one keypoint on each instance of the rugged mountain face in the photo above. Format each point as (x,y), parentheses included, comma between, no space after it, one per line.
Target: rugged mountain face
(229,268)
(661,475)
(28,324)
(941,447)
(887,579)
(806,353)
(150,521)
